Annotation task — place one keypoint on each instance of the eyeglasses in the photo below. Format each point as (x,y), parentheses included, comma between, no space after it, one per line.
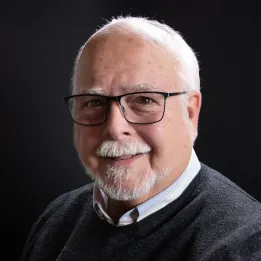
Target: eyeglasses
(137,107)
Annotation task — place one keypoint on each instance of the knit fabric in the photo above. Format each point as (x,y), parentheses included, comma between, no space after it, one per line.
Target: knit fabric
(212,220)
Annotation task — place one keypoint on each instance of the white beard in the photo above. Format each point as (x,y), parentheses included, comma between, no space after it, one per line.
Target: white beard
(114,181)
(118,182)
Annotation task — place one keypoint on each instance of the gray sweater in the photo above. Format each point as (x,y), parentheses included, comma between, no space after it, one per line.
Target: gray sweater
(212,220)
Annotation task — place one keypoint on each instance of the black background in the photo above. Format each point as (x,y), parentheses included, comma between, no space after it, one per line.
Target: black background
(39,42)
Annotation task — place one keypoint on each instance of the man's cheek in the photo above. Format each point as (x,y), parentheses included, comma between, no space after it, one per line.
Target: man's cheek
(155,136)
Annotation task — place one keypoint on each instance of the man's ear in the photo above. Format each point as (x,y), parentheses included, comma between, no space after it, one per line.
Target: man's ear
(193,107)
(75,136)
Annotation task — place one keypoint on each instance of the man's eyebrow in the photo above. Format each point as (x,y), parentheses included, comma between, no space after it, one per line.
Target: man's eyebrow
(124,89)
(138,87)
(94,90)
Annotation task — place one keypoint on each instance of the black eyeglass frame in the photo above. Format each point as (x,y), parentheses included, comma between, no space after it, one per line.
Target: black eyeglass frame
(118,99)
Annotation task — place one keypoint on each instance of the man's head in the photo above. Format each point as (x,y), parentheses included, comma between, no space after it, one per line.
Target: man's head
(135,55)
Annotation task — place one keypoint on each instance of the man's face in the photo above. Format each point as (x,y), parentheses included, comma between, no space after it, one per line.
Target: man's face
(118,64)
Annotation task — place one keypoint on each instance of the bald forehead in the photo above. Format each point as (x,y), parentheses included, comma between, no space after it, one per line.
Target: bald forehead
(116,51)
(113,43)
(120,40)
(117,33)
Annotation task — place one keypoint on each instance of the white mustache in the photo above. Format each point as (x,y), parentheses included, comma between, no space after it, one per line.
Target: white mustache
(113,149)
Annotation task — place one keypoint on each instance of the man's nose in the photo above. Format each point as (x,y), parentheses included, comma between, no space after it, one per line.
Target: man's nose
(116,124)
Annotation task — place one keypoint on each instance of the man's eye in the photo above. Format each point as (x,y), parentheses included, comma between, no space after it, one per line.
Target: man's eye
(144,100)
(93,103)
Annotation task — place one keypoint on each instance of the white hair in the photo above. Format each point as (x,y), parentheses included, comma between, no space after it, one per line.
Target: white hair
(161,34)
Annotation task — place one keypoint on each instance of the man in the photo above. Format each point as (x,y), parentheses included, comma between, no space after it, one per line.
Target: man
(135,103)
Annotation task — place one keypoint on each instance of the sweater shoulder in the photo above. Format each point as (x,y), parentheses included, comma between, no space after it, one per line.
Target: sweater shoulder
(230,218)
(221,184)
(224,195)
(67,207)
(74,198)
(59,217)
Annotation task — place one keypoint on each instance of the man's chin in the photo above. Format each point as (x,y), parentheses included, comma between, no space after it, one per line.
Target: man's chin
(123,185)
(122,194)
(124,190)
(112,176)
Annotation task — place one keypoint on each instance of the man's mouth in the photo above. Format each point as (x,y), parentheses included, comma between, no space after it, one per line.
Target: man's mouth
(124,157)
